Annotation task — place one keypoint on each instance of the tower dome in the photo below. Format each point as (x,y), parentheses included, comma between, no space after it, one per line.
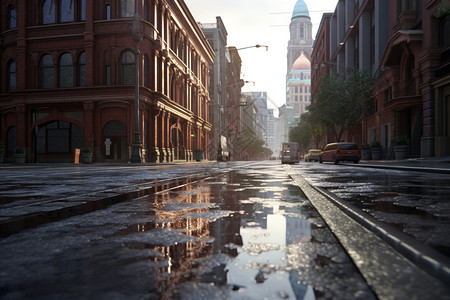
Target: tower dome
(302,63)
(300,10)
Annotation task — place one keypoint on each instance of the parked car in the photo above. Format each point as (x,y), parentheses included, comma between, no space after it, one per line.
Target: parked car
(337,152)
(313,155)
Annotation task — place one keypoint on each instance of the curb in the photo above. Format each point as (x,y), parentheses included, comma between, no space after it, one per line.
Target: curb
(403,168)
(430,260)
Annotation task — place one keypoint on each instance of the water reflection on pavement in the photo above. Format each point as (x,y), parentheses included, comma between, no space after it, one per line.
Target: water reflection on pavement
(247,234)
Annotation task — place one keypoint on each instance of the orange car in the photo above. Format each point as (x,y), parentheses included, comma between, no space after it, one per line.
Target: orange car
(337,152)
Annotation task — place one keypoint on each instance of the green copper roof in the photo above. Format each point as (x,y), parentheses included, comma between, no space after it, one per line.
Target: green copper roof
(300,10)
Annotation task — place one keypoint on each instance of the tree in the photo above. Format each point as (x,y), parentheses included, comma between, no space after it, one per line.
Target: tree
(341,99)
(301,134)
(248,143)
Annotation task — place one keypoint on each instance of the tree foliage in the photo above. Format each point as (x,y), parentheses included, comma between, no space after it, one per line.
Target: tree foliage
(341,99)
(248,142)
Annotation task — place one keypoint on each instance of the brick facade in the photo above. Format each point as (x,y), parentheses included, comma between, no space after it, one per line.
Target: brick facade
(68,79)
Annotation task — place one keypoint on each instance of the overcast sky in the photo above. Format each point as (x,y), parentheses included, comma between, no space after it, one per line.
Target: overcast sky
(264,22)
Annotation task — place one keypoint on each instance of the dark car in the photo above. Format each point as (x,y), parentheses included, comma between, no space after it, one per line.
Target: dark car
(337,152)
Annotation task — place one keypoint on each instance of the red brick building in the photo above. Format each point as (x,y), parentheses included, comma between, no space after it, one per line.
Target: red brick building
(68,79)
(406,45)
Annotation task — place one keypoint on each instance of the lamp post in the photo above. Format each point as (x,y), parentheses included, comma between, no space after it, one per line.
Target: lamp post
(136,152)
(222,105)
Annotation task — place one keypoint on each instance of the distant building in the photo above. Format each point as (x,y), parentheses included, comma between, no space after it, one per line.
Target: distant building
(300,29)
(225,87)
(299,85)
(298,75)
(259,100)
(68,79)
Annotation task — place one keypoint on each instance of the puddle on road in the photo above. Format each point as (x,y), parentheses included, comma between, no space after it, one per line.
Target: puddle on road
(241,237)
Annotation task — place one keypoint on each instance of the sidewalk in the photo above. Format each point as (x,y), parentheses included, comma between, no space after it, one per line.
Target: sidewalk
(33,194)
(440,165)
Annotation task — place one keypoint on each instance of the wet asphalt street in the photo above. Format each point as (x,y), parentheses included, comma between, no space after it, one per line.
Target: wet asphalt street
(223,231)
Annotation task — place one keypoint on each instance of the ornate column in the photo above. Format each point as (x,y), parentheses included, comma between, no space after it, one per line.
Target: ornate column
(162,136)
(169,150)
(153,142)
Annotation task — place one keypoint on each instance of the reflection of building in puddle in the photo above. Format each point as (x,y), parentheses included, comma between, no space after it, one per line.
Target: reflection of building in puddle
(189,210)
(255,214)
(298,230)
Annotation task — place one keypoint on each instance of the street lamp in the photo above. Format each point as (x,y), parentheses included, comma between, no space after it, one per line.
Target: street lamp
(136,153)
(255,46)
(221,104)
(221,107)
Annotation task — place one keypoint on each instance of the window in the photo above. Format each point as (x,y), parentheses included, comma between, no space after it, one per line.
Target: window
(301,34)
(47,72)
(145,71)
(126,8)
(82,69)
(12,17)
(108,12)
(48,12)
(59,137)
(66,12)
(127,67)
(12,75)
(108,75)
(82,10)
(65,71)
(444,29)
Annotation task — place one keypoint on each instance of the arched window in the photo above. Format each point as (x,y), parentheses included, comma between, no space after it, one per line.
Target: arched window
(66,11)
(65,71)
(82,69)
(126,8)
(59,137)
(12,75)
(47,72)
(48,12)
(12,17)
(127,63)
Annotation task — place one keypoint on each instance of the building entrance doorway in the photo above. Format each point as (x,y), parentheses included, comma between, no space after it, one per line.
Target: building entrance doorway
(114,146)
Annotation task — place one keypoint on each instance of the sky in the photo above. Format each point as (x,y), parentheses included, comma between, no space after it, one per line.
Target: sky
(263,22)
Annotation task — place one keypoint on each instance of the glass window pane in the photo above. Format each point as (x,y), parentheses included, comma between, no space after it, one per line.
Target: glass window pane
(108,75)
(48,12)
(12,76)
(58,140)
(82,69)
(66,13)
(127,8)
(127,60)
(66,71)
(108,12)
(47,72)
(82,10)
(127,74)
(12,17)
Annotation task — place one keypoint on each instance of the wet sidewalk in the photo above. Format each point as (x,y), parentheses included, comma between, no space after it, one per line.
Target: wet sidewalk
(34,194)
(440,165)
